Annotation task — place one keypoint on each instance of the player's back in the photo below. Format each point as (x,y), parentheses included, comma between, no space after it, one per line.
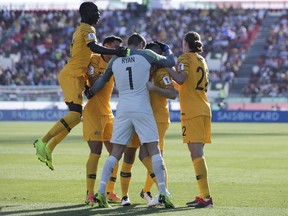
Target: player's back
(131,76)
(80,53)
(195,86)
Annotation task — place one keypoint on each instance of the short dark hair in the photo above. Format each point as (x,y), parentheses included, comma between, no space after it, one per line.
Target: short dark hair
(135,39)
(86,8)
(112,38)
(194,41)
(154,47)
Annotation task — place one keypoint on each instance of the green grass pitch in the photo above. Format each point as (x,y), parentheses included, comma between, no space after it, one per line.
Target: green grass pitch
(247,162)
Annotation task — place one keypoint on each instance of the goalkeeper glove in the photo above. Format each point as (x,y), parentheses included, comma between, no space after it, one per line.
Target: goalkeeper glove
(164,47)
(88,93)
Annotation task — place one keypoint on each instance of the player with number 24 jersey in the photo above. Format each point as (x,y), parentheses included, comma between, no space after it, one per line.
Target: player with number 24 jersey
(199,81)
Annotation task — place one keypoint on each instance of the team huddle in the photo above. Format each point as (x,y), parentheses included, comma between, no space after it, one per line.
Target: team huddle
(146,76)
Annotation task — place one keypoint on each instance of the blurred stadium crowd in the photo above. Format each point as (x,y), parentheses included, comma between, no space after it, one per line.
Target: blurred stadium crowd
(269,76)
(41,40)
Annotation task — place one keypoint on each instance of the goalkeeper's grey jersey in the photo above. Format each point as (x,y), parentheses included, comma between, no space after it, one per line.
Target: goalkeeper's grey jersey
(131,75)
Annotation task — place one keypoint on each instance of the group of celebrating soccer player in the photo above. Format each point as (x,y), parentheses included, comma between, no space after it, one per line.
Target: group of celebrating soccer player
(146,76)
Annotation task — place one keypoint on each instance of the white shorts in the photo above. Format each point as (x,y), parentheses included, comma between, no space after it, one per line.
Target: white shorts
(143,123)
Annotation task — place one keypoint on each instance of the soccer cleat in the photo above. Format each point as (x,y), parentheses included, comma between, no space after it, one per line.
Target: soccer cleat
(168,194)
(101,199)
(125,201)
(90,200)
(164,199)
(146,195)
(49,158)
(154,202)
(113,198)
(40,149)
(201,203)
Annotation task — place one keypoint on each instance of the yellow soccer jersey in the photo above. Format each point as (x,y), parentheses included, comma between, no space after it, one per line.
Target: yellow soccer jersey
(80,53)
(192,93)
(159,103)
(99,104)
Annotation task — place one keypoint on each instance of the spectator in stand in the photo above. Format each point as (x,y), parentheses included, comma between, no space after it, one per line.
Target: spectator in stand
(45,35)
(268,76)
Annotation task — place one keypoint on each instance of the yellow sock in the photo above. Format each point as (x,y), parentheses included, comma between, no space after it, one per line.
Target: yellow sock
(66,123)
(200,168)
(150,181)
(57,139)
(91,172)
(111,183)
(148,164)
(125,177)
(148,184)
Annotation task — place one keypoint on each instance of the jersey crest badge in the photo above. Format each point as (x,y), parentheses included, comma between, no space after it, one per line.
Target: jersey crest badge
(166,80)
(91,36)
(181,67)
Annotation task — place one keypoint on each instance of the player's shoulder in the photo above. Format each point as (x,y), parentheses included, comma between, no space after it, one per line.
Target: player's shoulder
(112,60)
(95,57)
(185,56)
(115,61)
(84,27)
(136,52)
(200,58)
(190,56)
(161,77)
(149,53)
(162,70)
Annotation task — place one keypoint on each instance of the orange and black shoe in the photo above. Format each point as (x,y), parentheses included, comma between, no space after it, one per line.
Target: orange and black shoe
(113,198)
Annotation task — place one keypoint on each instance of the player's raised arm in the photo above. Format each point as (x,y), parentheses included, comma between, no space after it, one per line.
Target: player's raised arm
(96,48)
(166,61)
(169,92)
(177,75)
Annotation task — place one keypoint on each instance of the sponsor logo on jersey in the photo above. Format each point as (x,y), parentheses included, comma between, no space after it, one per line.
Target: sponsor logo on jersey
(90,70)
(166,80)
(181,67)
(91,36)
